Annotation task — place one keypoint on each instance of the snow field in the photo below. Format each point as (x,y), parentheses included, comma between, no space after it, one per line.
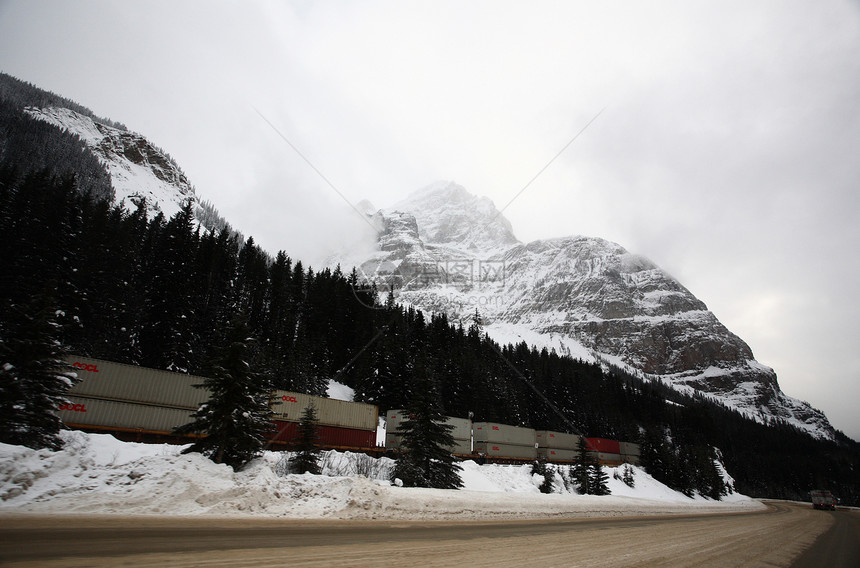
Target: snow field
(96,474)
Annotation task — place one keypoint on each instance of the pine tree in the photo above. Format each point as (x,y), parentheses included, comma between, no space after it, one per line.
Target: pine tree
(655,454)
(598,479)
(547,472)
(580,471)
(477,325)
(709,481)
(34,378)
(627,476)
(425,459)
(236,417)
(306,459)
(168,339)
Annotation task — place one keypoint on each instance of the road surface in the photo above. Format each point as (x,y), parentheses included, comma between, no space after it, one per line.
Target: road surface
(781,536)
(839,547)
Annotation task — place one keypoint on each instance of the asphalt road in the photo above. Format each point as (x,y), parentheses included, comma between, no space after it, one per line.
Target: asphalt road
(784,535)
(839,547)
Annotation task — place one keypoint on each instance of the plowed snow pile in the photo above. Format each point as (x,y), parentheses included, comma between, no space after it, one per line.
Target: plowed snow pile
(97,474)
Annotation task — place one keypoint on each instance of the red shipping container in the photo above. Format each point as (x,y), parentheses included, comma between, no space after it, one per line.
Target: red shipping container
(604,445)
(329,436)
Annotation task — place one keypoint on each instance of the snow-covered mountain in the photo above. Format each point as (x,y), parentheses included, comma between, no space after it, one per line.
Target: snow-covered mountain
(139,170)
(445,250)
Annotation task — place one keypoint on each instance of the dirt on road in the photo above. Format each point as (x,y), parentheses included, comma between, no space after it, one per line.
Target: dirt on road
(775,537)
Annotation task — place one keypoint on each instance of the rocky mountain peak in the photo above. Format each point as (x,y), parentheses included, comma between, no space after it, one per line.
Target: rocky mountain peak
(451,252)
(449,215)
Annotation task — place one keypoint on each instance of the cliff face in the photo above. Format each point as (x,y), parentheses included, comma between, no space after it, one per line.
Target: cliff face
(139,170)
(445,250)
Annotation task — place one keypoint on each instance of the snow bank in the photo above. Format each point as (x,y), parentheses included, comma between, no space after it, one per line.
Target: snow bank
(97,474)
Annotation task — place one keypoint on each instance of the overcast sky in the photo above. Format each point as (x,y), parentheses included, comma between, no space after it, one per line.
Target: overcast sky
(727,149)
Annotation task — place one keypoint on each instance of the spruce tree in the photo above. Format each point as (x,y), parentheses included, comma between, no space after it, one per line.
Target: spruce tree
(34,378)
(580,471)
(547,472)
(655,455)
(627,476)
(477,325)
(236,417)
(425,459)
(306,459)
(599,479)
(709,480)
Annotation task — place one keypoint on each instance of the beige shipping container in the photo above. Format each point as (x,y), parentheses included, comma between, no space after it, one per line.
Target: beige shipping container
(129,383)
(557,440)
(330,412)
(462,426)
(630,449)
(84,412)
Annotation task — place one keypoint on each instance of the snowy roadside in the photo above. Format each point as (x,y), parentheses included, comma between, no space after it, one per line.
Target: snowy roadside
(96,474)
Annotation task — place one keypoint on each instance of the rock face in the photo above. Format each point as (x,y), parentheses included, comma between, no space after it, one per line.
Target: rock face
(445,250)
(139,171)
(449,216)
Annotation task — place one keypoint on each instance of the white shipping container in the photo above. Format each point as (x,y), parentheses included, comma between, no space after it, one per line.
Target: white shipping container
(503,434)
(558,440)
(392,441)
(129,383)
(608,458)
(632,460)
(460,447)
(462,426)
(83,412)
(630,449)
(500,450)
(289,406)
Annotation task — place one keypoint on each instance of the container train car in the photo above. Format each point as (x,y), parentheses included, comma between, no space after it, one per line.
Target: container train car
(496,442)
(461,432)
(140,404)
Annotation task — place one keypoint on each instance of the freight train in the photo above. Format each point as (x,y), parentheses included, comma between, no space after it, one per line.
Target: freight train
(496,442)
(139,404)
